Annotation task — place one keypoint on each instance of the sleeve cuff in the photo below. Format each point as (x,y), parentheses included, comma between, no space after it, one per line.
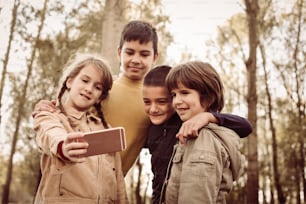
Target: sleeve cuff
(60,153)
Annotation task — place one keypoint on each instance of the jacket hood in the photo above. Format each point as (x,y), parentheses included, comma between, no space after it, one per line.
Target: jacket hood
(231,142)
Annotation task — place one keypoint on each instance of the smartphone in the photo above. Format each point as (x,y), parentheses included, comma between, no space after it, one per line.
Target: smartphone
(105,141)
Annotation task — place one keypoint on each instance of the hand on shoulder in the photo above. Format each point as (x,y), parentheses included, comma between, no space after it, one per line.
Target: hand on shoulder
(191,127)
(44,105)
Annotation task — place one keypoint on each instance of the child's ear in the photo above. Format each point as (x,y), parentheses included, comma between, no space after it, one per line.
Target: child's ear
(119,54)
(155,58)
(68,83)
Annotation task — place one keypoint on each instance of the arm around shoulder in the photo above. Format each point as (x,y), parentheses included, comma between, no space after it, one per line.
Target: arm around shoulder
(238,124)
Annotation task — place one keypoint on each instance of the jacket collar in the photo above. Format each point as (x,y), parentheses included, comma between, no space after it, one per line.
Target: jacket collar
(78,115)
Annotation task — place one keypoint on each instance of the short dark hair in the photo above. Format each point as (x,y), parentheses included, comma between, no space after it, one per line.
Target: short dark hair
(157,76)
(142,31)
(201,77)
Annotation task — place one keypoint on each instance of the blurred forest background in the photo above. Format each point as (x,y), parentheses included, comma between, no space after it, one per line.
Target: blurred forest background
(260,54)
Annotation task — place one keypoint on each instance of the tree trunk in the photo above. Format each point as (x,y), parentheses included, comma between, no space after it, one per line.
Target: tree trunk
(7,54)
(293,81)
(112,25)
(6,188)
(252,170)
(280,194)
(297,177)
(300,105)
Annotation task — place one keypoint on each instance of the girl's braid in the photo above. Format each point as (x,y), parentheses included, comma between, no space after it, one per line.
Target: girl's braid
(60,95)
(59,98)
(101,115)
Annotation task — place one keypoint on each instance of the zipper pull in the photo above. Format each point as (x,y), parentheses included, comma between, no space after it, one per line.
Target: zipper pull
(165,132)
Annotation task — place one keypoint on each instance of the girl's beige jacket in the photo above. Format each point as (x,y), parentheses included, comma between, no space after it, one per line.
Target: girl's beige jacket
(97,180)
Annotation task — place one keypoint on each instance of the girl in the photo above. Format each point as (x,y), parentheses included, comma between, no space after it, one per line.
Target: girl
(67,177)
(203,168)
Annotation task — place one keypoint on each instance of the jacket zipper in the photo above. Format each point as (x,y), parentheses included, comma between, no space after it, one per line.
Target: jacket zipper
(163,190)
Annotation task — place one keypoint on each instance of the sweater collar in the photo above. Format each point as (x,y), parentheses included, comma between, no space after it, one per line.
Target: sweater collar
(131,83)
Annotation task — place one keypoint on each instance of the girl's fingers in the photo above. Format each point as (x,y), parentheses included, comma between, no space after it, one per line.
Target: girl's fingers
(76,152)
(75,135)
(75,146)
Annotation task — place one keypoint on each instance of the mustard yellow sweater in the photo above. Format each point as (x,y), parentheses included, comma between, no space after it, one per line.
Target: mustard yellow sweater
(124,107)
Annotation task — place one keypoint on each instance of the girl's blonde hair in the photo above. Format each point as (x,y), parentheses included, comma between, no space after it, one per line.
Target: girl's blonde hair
(201,77)
(73,68)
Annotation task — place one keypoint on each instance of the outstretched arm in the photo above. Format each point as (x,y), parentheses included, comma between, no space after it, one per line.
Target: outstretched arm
(53,139)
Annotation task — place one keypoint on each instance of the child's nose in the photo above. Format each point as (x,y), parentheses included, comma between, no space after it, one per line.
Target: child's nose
(176,100)
(136,59)
(89,88)
(154,108)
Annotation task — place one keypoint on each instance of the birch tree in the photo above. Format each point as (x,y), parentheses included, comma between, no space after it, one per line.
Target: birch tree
(292,74)
(265,27)
(8,50)
(6,189)
(252,9)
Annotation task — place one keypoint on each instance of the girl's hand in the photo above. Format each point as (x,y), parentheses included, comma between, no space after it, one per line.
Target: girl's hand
(74,146)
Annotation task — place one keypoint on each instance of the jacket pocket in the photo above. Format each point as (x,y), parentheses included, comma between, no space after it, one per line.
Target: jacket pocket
(179,153)
(203,163)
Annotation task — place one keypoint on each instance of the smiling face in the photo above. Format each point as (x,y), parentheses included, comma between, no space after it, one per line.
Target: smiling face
(157,104)
(136,58)
(186,102)
(85,89)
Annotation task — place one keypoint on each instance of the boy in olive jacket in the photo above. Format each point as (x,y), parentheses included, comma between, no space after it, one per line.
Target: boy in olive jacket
(203,168)
(166,124)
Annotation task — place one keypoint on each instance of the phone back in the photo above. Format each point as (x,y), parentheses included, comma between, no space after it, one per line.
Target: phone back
(105,141)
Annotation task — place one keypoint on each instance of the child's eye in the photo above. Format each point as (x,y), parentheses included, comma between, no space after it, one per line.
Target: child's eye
(85,80)
(185,92)
(163,102)
(145,54)
(129,52)
(99,88)
(146,102)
